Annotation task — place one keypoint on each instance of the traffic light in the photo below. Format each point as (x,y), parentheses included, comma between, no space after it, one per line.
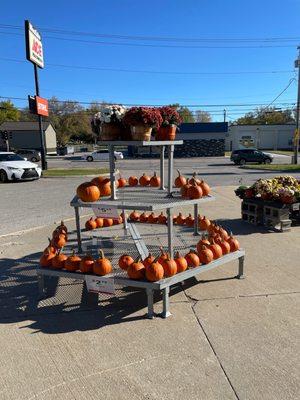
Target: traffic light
(4,135)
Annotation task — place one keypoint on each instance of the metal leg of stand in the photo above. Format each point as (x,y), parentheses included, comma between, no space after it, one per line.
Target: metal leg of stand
(196,228)
(41,286)
(241,268)
(170,170)
(112,171)
(162,169)
(77,218)
(150,313)
(166,303)
(125,224)
(170,231)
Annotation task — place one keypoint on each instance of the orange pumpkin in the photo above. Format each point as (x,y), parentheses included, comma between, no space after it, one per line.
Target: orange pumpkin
(105,190)
(180,180)
(102,266)
(124,261)
(134,216)
(136,270)
(195,179)
(205,254)
(225,246)
(59,241)
(184,189)
(100,180)
(194,191)
(233,243)
(99,222)
(107,222)
(169,266)
(152,219)
(88,192)
(143,217)
(205,188)
(62,227)
(46,258)
(162,219)
(72,263)
(50,248)
(86,264)
(122,182)
(189,221)
(148,260)
(144,180)
(192,259)
(90,224)
(155,181)
(133,181)
(118,221)
(216,249)
(58,262)
(154,272)
(180,220)
(162,257)
(181,263)
(204,223)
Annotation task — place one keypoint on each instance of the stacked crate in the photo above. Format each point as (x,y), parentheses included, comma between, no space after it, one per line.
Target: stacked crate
(252,211)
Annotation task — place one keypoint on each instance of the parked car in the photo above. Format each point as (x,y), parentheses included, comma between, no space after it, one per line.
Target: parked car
(103,155)
(243,156)
(31,155)
(15,167)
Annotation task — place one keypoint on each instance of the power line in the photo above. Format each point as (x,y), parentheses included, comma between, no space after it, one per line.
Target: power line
(288,85)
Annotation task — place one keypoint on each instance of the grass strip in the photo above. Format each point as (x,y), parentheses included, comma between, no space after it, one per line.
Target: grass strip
(74,172)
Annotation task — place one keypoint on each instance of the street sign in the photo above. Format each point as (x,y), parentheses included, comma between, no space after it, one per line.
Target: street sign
(106,212)
(34,45)
(100,284)
(41,106)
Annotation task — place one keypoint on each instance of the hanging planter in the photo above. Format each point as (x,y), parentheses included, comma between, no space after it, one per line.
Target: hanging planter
(170,120)
(141,121)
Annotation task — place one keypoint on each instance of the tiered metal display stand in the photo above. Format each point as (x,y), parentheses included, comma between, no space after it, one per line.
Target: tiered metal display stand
(143,199)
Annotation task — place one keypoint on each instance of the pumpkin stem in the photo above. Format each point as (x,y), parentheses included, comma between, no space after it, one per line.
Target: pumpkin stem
(179,174)
(177,255)
(101,254)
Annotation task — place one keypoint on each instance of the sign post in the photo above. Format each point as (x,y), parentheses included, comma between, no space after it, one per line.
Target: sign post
(34,54)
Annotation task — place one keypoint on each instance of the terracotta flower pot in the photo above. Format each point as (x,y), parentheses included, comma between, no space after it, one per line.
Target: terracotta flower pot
(110,131)
(166,132)
(141,132)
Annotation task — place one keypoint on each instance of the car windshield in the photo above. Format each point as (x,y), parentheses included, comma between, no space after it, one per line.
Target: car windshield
(10,157)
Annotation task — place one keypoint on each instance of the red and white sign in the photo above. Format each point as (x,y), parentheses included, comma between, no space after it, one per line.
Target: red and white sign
(34,45)
(41,106)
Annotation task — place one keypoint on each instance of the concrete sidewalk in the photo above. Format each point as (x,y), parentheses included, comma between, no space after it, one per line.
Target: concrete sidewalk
(226,339)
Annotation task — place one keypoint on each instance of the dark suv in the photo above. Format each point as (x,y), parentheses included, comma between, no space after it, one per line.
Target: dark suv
(243,156)
(31,155)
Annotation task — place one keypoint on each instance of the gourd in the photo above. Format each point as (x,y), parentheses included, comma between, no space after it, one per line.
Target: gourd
(124,261)
(72,262)
(102,266)
(192,259)
(136,270)
(180,180)
(155,180)
(90,224)
(144,180)
(181,263)
(88,192)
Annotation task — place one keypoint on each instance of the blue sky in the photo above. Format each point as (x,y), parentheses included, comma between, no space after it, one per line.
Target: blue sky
(190,19)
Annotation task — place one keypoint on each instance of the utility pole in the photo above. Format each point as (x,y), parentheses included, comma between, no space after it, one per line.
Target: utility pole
(42,134)
(296,138)
(224,111)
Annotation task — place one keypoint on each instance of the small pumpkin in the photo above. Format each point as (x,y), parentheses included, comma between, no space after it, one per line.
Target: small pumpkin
(122,182)
(99,222)
(102,266)
(134,216)
(133,181)
(169,266)
(181,263)
(195,179)
(225,246)
(155,271)
(155,180)
(216,249)
(144,180)
(194,192)
(58,262)
(189,221)
(162,219)
(148,260)
(72,263)
(88,192)
(46,258)
(192,259)
(233,243)
(184,189)
(223,233)
(105,190)
(59,241)
(118,221)
(204,223)
(124,261)
(136,270)
(100,180)
(205,254)
(62,227)
(152,219)
(143,217)
(107,222)
(90,224)
(205,188)
(180,220)
(50,248)
(180,180)
(86,264)
(202,242)
(163,256)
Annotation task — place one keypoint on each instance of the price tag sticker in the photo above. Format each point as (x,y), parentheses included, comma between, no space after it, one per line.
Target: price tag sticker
(99,284)
(106,212)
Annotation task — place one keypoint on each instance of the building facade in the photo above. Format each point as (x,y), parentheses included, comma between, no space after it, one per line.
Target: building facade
(26,135)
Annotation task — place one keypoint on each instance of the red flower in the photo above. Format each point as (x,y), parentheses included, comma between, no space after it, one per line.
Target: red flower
(169,116)
(143,116)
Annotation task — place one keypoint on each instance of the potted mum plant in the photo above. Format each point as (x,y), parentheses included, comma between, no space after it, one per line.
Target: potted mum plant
(107,123)
(170,120)
(141,121)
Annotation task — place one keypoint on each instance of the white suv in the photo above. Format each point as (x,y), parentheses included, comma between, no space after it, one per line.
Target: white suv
(14,167)
(103,155)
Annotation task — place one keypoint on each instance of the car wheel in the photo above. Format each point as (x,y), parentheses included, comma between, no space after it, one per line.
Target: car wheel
(89,158)
(236,162)
(34,159)
(3,176)
(267,161)
(242,161)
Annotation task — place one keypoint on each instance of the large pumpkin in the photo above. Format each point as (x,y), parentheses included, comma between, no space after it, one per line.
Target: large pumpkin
(180,220)
(102,266)
(154,272)
(88,192)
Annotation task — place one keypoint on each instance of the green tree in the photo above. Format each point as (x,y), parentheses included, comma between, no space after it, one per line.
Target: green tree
(185,113)
(202,116)
(268,115)
(8,112)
